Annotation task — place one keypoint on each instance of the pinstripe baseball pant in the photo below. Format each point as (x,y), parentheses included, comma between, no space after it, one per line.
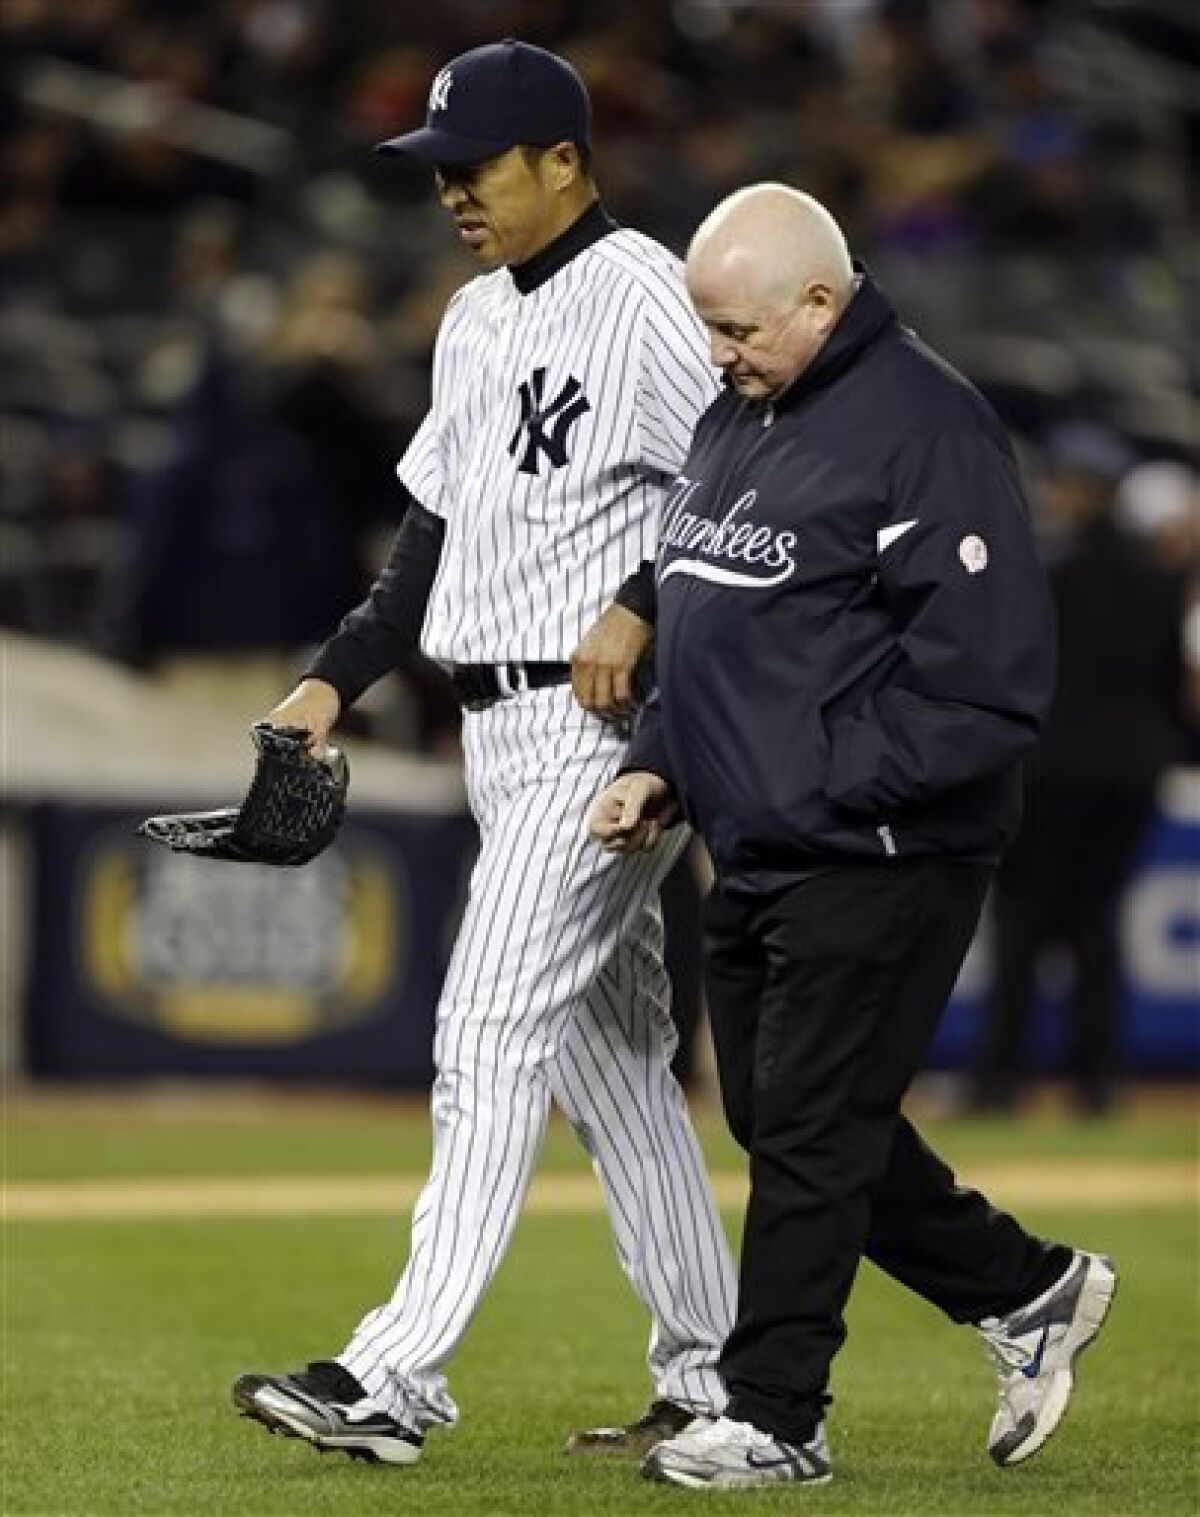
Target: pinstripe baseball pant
(555,990)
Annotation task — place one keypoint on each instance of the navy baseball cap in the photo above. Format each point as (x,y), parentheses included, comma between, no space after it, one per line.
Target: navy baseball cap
(495,98)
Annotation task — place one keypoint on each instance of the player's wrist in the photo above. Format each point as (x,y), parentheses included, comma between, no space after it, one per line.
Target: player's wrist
(313,703)
(313,688)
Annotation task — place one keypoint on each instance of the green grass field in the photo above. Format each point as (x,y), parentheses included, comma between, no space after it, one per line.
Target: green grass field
(121,1339)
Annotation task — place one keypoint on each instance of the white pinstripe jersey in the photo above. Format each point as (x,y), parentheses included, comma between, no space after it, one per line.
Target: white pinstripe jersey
(558,418)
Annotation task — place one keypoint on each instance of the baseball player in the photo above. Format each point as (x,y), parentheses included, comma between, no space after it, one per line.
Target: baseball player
(566,383)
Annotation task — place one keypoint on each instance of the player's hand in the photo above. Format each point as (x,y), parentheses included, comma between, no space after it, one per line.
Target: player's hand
(603,665)
(633,813)
(314,706)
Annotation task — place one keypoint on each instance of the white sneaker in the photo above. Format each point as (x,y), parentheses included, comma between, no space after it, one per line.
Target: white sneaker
(727,1455)
(1034,1350)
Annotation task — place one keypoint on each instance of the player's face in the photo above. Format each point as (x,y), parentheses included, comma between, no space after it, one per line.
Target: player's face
(761,345)
(505,208)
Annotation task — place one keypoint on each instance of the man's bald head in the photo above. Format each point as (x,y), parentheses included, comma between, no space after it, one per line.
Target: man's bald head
(775,237)
(770,274)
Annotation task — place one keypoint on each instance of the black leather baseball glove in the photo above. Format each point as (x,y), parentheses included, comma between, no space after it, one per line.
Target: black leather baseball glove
(292,810)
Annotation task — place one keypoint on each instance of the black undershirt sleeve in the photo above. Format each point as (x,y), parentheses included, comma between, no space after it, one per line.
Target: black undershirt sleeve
(374,637)
(638,594)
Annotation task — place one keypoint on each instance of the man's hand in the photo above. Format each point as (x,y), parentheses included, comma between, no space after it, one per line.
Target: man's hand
(632,814)
(603,665)
(314,706)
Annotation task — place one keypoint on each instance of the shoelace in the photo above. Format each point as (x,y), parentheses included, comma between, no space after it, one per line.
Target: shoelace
(743,1435)
(1009,1358)
(1006,1354)
(723,1432)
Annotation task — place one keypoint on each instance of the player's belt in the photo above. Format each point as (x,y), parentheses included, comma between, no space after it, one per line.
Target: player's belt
(480,685)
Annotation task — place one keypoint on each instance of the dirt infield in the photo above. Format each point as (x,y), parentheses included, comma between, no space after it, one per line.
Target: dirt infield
(1160,1183)
(218,1103)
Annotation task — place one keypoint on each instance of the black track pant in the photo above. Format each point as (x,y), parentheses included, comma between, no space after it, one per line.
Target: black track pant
(823,997)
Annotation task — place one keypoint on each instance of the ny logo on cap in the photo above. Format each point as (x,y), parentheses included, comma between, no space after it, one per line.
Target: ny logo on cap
(439,94)
(564,411)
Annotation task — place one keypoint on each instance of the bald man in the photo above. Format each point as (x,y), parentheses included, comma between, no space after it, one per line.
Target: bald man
(855,652)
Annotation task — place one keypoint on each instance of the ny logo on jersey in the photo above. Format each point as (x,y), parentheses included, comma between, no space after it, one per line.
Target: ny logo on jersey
(439,94)
(559,414)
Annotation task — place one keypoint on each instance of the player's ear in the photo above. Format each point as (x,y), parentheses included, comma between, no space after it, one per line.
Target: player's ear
(562,166)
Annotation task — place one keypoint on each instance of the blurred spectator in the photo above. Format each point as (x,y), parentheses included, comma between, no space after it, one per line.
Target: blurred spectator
(59,550)
(254,534)
(1115,726)
(1037,195)
(1160,503)
(324,357)
(235,544)
(925,148)
(259,531)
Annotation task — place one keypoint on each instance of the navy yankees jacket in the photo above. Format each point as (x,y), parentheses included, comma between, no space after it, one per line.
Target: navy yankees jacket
(855,638)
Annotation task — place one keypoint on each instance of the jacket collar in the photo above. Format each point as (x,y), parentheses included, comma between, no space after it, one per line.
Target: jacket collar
(869,314)
(594,224)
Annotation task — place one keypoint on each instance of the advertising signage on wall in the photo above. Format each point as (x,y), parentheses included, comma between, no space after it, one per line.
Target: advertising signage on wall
(152,962)
(248,955)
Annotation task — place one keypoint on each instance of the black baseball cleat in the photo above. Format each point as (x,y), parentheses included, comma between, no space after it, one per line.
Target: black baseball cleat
(661,1419)
(325,1405)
